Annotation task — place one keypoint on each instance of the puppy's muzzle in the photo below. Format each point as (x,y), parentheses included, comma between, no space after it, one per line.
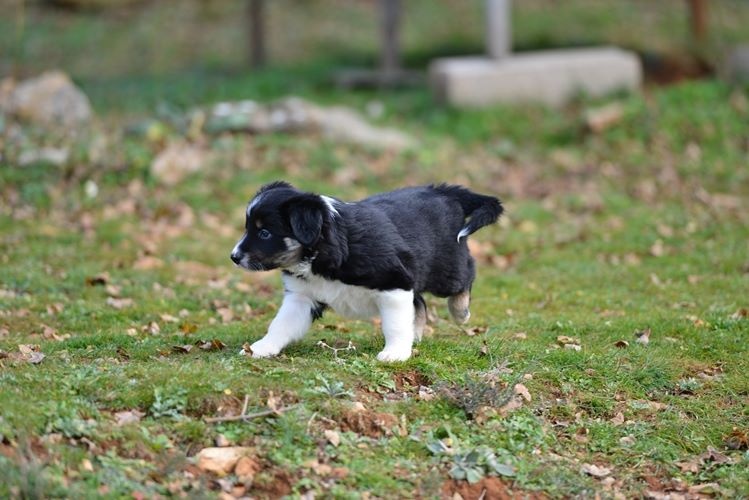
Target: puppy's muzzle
(236,257)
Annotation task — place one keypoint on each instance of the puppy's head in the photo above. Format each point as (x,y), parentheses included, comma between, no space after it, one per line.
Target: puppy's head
(282,226)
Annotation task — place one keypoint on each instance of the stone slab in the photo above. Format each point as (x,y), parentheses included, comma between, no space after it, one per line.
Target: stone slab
(550,77)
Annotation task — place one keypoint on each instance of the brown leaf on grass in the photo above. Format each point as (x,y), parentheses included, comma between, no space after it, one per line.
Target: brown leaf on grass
(168,318)
(56,308)
(226,314)
(332,437)
(152,328)
(187,328)
(742,313)
(738,439)
(617,419)
(113,290)
(475,330)
(601,118)
(128,417)
(658,249)
(50,333)
(119,303)
(595,470)
(696,321)
(564,340)
(522,391)
(31,353)
(520,336)
(182,349)
(210,345)
(716,457)
(621,344)
(692,465)
(100,279)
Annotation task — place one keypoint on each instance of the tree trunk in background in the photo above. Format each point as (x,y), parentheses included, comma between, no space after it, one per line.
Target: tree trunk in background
(256,19)
(698,19)
(390,57)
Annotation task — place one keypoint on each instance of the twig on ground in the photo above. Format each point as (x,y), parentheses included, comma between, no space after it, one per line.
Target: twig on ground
(349,347)
(244,417)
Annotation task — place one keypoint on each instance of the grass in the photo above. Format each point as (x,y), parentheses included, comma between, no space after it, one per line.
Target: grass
(641,226)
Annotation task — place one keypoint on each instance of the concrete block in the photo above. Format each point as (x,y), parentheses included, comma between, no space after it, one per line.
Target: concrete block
(549,77)
(737,64)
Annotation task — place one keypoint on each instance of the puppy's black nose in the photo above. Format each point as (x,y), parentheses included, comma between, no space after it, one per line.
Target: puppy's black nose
(235,257)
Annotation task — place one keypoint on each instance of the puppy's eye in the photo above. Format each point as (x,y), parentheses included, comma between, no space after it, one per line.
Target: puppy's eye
(264,234)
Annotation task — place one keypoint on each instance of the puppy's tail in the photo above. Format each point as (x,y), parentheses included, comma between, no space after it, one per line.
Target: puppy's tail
(480,210)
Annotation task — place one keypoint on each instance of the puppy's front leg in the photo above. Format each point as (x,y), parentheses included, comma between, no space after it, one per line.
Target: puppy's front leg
(397,311)
(291,323)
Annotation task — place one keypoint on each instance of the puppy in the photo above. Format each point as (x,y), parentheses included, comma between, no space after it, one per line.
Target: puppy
(374,256)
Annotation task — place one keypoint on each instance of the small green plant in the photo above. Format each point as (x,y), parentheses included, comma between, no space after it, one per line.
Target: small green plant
(168,405)
(66,420)
(332,389)
(469,464)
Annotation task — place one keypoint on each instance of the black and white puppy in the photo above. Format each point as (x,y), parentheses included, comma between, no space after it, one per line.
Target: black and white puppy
(374,256)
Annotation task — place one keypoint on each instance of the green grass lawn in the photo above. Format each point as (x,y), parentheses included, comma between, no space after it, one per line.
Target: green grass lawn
(641,227)
(132,299)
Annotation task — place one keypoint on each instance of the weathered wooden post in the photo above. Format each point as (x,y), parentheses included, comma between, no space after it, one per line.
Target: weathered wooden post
(390,60)
(256,20)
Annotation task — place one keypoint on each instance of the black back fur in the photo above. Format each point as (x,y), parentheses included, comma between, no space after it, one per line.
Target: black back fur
(405,239)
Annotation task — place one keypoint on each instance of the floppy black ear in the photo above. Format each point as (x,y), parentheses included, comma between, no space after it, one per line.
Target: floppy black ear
(306,219)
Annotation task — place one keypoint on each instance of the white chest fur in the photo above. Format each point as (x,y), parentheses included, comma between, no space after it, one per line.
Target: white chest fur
(347,300)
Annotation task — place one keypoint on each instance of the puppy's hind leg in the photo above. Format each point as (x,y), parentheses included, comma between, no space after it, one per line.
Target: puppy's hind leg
(398,314)
(291,323)
(458,305)
(420,316)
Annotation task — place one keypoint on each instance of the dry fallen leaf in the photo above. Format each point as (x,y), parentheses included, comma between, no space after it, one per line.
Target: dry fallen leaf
(617,419)
(152,328)
(475,330)
(692,465)
(742,313)
(738,439)
(128,417)
(226,314)
(31,353)
(565,340)
(182,349)
(119,303)
(332,437)
(603,117)
(168,318)
(595,470)
(99,279)
(621,344)
(210,345)
(426,393)
(521,390)
(643,336)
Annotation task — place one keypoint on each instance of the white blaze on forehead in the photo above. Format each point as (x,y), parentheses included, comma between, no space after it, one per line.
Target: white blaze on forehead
(253,204)
(330,203)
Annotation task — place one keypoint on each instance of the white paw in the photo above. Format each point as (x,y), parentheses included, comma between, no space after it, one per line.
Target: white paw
(389,355)
(262,349)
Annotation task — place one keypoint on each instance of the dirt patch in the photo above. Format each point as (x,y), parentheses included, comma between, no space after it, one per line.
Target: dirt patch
(489,488)
(219,406)
(369,423)
(410,380)
(273,483)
